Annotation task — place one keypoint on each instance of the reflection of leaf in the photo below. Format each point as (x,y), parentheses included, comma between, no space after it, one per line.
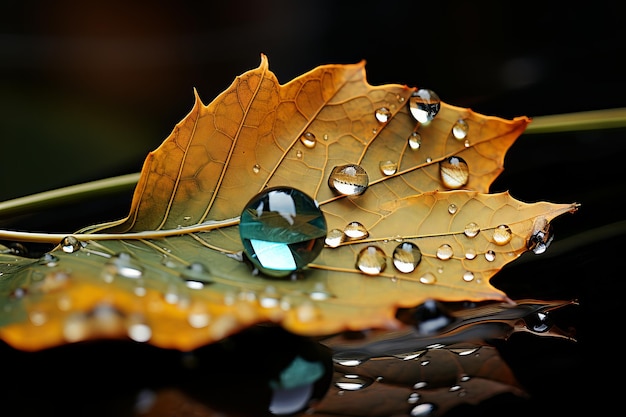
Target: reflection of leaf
(172,273)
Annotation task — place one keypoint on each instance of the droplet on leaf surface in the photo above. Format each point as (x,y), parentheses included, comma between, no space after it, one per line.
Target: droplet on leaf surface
(308,139)
(502,235)
(454,172)
(282,230)
(348,179)
(406,257)
(424,105)
(383,114)
(371,260)
(460,129)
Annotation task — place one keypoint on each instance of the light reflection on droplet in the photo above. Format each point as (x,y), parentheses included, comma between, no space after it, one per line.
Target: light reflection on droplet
(308,139)
(423,410)
(470,254)
(490,255)
(502,235)
(460,129)
(70,244)
(415,141)
(444,252)
(371,260)
(125,265)
(348,179)
(424,104)
(334,238)
(256,168)
(428,278)
(452,208)
(454,172)
(468,276)
(383,114)
(352,382)
(355,231)
(138,330)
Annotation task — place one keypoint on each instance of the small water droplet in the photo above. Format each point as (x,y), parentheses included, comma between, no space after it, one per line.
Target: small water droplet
(471,229)
(350,358)
(49,259)
(374,131)
(460,129)
(371,260)
(334,238)
(470,254)
(282,230)
(406,257)
(198,316)
(388,167)
(424,105)
(429,160)
(467,143)
(70,244)
(454,172)
(419,385)
(256,168)
(125,265)
(353,382)
(355,231)
(415,141)
(541,236)
(452,208)
(445,252)
(468,276)
(299,154)
(502,235)
(400,98)
(38,318)
(326,136)
(348,179)
(414,397)
(428,278)
(490,255)
(197,272)
(423,410)
(137,329)
(308,140)
(383,114)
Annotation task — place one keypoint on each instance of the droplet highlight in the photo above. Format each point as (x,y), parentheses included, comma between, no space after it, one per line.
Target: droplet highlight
(454,172)
(460,129)
(371,260)
(415,141)
(502,235)
(70,244)
(424,105)
(406,257)
(334,238)
(428,278)
(471,229)
(383,114)
(355,231)
(445,252)
(308,139)
(348,179)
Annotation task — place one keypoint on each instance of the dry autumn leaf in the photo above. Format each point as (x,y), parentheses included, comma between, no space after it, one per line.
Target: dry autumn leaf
(350,208)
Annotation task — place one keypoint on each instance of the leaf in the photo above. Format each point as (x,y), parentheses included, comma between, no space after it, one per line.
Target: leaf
(172,272)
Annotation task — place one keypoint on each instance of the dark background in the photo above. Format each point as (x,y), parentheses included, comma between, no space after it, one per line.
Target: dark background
(87,89)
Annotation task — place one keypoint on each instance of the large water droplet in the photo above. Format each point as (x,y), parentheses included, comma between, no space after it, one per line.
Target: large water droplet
(460,129)
(388,167)
(371,260)
(383,114)
(125,265)
(282,230)
(452,208)
(415,141)
(445,252)
(348,179)
(334,238)
(454,172)
(424,105)
(406,257)
(471,229)
(355,231)
(502,235)
(308,139)
(70,244)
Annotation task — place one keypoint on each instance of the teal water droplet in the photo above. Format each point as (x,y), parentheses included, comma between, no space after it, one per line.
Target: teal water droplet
(348,179)
(282,230)
(424,105)
(406,257)
(454,172)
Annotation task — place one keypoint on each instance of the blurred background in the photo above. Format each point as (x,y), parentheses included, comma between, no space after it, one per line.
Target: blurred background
(88,88)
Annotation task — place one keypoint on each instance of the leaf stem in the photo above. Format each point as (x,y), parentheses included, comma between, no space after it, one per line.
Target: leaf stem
(588,120)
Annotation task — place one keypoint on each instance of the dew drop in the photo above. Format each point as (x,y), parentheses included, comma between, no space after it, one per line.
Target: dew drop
(334,238)
(468,276)
(355,231)
(460,129)
(49,259)
(388,167)
(406,257)
(308,139)
(415,141)
(452,208)
(414,397)
(471,229)
(256,168)
(326,137)
(348,179)
(423,410)
(541,236)
(125,265)
(383,114)
(350,358)
(428,278)
(424,105)
(197,272)
(282,230)
(502,235)
(138,330)
(70,244)
(445,252)
(490,255)
(454,172)
(353,382)
(470,254)
(371,260)
(299,154)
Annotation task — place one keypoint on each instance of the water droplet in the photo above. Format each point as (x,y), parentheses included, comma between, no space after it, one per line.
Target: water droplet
(282,230)
(299,154)
(353,382)
(409,356)
(70,244)
(502,235)
(348,179)
(471,229)
(125,265)
(470,254)
(424,105)
(428,278)
(197,272)
(371,260)
(423,410)
(468,276)
(308,140)
(383,114)
(467,143)
(350,358)
(414,397)
(334,238)
(415,141)
(256,168)
(49,259)
(355,231)
(400,98)
(138,330)
(445,252)
(419,385)
(452,208)
(406,257)
(541,236)
(490,255)
(326,136)
(388,167)
(460,129)
(454,172)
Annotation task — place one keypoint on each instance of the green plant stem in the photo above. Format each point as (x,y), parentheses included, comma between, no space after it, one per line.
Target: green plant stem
(589,120)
